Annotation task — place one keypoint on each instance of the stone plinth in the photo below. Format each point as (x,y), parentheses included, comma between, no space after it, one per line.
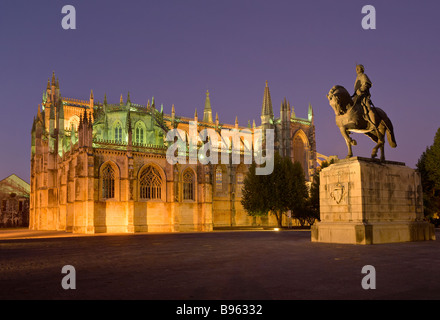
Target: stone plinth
(365,201)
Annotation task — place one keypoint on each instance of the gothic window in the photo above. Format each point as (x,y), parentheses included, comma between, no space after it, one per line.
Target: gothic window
(240,178)
(139,135)
(150,183)
(139,132)
(188,185)
(118,133)
(298,150)
(73,121)
(108,182)
(219,179)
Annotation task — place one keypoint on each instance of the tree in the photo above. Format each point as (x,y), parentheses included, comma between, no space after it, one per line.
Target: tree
(433,161)
(284,189)
(429,168)
(298,193)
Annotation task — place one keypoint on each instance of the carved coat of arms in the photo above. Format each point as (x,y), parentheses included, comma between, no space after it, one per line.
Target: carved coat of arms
(338,192)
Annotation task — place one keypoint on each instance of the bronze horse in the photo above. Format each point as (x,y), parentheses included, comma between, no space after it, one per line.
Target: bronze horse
(351,118)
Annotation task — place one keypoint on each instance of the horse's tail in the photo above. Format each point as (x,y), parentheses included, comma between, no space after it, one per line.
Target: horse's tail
(390,130)
(390,133)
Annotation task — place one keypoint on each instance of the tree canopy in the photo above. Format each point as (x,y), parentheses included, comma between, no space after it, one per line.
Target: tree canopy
(429,168)
(283,190)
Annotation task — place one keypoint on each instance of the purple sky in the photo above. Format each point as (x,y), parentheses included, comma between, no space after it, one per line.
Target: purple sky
(176,50)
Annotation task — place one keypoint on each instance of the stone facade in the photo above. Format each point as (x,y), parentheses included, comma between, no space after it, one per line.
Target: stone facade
(14,202)
(365,201)
(100,167)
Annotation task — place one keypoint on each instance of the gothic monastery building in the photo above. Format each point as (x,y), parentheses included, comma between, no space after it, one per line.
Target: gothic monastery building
(102,167)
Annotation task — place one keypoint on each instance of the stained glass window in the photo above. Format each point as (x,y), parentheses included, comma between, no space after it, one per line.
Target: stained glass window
(108,182)
(219,179)
(150,183)
(188,185)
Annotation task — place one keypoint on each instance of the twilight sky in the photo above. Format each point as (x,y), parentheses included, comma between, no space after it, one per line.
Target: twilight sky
(176,50)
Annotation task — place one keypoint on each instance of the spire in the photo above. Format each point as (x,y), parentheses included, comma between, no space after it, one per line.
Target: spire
(148,104)
(195,115)
(173,114)
(72,135)
(105,98)
(91,100)
(292,113)
(207,112)
(121,101)
(33,125)
(57,85)
(310,112)
(267,110)
(216,119)
(48,84)
(53,78)
(236,121)
(128,97)
(85,118)
(284,112)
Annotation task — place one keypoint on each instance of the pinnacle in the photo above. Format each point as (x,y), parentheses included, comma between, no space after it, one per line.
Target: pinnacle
(267,102)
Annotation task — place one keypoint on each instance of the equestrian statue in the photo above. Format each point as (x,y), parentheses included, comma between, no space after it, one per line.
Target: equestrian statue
(356,113)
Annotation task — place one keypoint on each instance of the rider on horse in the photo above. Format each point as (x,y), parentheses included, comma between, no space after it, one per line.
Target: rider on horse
(362,94)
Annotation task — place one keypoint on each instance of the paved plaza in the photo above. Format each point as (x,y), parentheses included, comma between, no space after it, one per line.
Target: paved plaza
(220,265)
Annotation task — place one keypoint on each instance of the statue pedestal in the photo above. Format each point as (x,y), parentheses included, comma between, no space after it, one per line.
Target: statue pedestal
(365,201)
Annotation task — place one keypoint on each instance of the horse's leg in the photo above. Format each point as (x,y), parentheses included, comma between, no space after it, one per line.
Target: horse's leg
(348,141)
(382,152)
(380,133)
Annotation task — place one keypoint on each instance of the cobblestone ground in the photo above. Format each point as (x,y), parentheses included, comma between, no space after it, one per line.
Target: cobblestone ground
(243,265)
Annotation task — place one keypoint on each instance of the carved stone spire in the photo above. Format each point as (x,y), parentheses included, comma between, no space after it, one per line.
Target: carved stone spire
(266,109)
(310,113)
(207,112)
